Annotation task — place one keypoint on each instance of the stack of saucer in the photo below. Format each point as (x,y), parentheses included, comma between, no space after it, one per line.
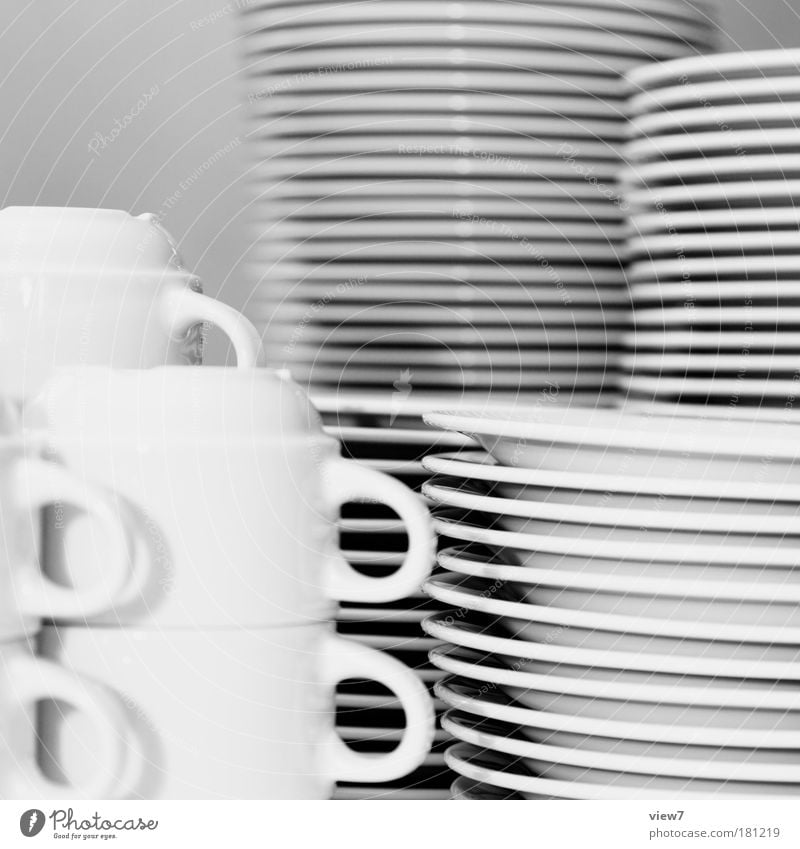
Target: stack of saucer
(389,436)
(714,261)
(625,600)
(435,187)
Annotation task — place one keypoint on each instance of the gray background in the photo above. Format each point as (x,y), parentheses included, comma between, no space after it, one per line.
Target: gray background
(70,70)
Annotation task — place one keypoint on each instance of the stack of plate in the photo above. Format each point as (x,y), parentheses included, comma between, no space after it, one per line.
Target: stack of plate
(435,187)
(625,600)
(714,253)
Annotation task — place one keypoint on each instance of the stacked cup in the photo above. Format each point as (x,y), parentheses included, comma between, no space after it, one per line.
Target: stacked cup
(27,484)
(76,286)
(194,525)
(100,287)
(221,654)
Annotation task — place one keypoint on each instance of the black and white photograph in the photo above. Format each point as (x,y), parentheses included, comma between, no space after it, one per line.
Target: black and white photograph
(400,402)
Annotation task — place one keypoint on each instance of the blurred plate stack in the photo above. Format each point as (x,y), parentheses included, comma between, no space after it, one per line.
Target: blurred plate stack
(625,606)
(435,194)
(712,188)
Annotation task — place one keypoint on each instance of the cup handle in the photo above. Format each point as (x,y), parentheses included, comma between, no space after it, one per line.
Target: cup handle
(35,678)
(188,308)
(40,483)
(349,480)
(344,659)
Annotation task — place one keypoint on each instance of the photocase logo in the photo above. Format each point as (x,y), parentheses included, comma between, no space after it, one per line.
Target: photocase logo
(66,825)
(31,822)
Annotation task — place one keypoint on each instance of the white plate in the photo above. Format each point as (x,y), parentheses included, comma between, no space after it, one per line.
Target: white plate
(667,786)
(370,404)
(781,390)
(557,126)
(765,557)
(736,220)
(523,150)
(451,628)
(444,377)
(720,413)
(447,379)
(431,314)
(578,637)
(689,268)
(366,164)
(620,48)
(717,290)
(396,468)
(471,338)
(473,700)
(687,363)
(475,272)
(390,78)
(350,206)
(353,435)
(723,195)
(446,103)
(421,645)
(696,12)
(473,57)
(713,143)
(571,610)
(578,190)
(715,93)
(719,582)
(654,245)
(380,615)
(741,63)
(606,18)
(622,531)
(506,773)
(541,360)
(584,518)
(436,292)
(711,168)
(623,686)
(595,509)
(428,230)
(646,490)
(760,339)
(580,254)
(745,116)
(384,794)
(735,317)
(466,790)
(500,737)
(689,582)
(542,658)
(529,436)
(300,305)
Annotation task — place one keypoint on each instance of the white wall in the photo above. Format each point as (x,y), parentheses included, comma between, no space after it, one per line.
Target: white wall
(70,70)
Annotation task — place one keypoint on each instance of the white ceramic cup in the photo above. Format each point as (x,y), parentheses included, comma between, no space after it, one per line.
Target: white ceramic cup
(230,490)
(27,485)
(99,286)
(231,713)
(25,680)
